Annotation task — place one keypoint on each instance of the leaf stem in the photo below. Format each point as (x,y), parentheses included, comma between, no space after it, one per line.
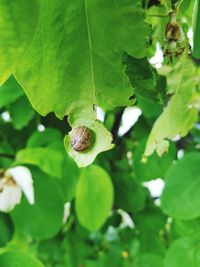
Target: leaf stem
(157,15)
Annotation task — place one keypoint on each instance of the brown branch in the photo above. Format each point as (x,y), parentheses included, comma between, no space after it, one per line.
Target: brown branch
(117,124)
(157,15)
(5,155)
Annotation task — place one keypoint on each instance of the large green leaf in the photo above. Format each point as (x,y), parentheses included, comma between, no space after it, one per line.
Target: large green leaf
(94,197)
(184,252)
(75,58)
(43,219)
(18,259)
(196,30)
(181,112)
(182,189)
(19,19)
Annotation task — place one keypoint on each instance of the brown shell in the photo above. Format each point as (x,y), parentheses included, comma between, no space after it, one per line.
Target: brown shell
(80,138)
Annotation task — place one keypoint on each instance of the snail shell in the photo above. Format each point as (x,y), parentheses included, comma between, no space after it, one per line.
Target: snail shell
(80,138)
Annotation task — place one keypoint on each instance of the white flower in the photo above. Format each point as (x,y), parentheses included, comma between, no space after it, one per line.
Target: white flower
(67,207)
(15,181)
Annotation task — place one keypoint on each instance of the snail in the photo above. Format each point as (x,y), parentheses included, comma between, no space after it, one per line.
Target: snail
(80,138)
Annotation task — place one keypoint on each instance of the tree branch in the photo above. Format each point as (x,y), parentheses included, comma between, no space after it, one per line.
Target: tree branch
(5,155)
(157,15)
(117,123)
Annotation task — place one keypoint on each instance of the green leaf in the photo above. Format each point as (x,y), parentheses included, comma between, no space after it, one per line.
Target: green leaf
(150,109)
(94,197)
(196,30)
(129,194)
(6,229)
(18,23)
(18,259)
(43,219)
(181,193)
(144,78)
(154,166)
(50,137)
(184,252)
(47,159)
(10,92)
(158,23)
(89,70)
(150,260)
(101,141)
(149,223)
(181,112)
(186,10)
(50,156)
(6,149)
(21,112)
(189,228)
(69,178)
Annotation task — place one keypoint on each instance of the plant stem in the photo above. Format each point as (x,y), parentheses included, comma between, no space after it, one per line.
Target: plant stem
(157,15)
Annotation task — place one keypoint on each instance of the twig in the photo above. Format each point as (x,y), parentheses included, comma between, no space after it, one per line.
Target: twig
(117,124)
(157,15)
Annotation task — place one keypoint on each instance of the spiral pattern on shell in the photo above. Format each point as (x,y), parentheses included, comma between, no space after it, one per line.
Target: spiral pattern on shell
(80,138)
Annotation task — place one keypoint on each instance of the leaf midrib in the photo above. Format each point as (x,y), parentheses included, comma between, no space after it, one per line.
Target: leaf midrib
(90,49)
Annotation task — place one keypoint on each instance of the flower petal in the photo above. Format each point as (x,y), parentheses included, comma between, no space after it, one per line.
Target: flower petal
(10,197)
(22,176)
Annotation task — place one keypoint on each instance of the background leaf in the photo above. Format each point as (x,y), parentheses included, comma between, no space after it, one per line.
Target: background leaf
(10,92)
(17,259)
(49,160)
(183,252)
(94,197)
(154,166)
(150,260)
(182,180)
(196,30)
(47,212)
(129,194)
(182,81)
(21,112)
(6,229)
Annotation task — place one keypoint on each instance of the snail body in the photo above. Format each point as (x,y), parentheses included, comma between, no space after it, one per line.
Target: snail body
(80,138)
